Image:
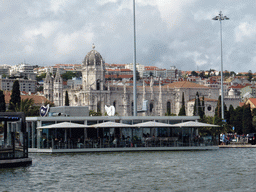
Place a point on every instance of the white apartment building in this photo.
(25, 85)
(139, 68)
(5, 69)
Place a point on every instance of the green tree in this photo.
(4, 76)
(66, 99)
(232, 114)
(217, 115)
(183, 108)
(203, 107)
(232, 73)
(250, 75)
(254, 118)
(238, 120)
(193, 73)
(40, 77)
(40, 88)
(49, 102)
(197, 107)
(247, 120)
(93, 113)
(15, 97)
(218, 108)
(69, 75)
(202, 74)
(137, 76)
(27, 106)
(2, 102)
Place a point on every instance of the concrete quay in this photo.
(123, 149)
(238, 146)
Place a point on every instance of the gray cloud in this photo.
(179, 33)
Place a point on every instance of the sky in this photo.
(177, 33)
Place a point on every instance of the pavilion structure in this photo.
(117, 133)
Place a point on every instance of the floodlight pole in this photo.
(220, 17)
(134, 66)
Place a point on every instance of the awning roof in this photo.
(153, 124)
(63, 125)
(110, 124)
(194, 124)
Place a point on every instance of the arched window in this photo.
(168, 107)
(151, 106)
(114, 104)
(98, 85)
(99, 107)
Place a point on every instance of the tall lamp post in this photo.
(134, 66)
(220, 17)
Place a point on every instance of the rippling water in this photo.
(220, 170)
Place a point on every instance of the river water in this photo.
(218, 170)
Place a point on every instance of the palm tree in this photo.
(27, 106)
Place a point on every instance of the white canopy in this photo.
(64, 125)
(194, 124)
(152, 124)
(110, 124)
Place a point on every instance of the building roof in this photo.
(38, 99)
(125, 76)
(185, 84)
(253, 101)
(148, 68)
(237, 87)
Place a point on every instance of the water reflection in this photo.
(220, 170)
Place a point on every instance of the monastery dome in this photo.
(93, 57)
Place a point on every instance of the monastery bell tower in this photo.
(93, 71)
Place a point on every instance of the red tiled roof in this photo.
(125, 76)
(241, 104)
(38, 99)
(150, 68)
(237, 87)
(185, 84)
(110, 76)
(253, 100)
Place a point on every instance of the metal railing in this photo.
(103, 143)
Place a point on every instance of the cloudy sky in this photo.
(177, 33)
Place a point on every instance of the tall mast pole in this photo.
(134, 66)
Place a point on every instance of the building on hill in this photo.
(25, 85)
(38, 99)
(139, 67)
(96, 92)
(23, 70)
(5, 69)
(173, 73)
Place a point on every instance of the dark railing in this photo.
(104, 143)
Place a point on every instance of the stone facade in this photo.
(96, 92)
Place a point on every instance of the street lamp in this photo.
(134, 65)
(220, 17)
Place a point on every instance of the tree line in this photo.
(241, 120)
